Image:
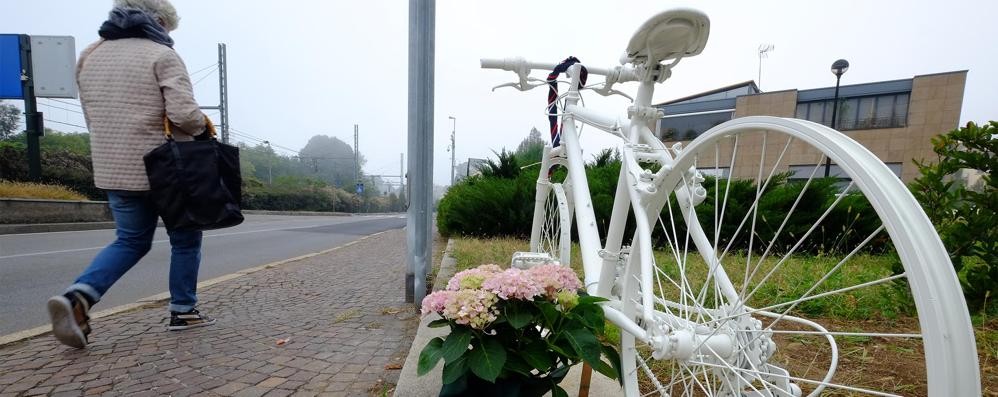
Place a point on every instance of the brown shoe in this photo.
(70, 322)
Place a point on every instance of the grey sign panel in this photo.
(53, 62)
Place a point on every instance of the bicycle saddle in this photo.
(669, 35)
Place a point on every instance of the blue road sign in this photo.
(10, 67)
(360, 188)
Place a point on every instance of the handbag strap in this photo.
(168, 133)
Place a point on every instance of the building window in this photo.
(862, 113)
(688, 127)
(804, 171)
(720, 172)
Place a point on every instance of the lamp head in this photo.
(839, 67)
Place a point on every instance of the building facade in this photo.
(895, 120)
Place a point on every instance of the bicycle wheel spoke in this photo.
(799, 243)
(783, 224)
(840, 333)
(829, 273)
(794, 378)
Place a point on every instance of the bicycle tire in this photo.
(948, 348)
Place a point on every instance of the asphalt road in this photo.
(35, 266)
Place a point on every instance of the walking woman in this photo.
(129, 80)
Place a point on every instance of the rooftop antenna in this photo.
(764, 50)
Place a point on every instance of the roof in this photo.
(750, 83)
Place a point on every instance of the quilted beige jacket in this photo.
(126, 87)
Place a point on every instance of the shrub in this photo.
(29, 190)
(502, 206)
(965, 216)
(59, 167)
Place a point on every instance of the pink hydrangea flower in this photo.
(434, 303)
(491, 268)
(512, 284)
(554, 277)
(471, 278)
(474, 308)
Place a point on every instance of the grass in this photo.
(29, 190)
(887, 364)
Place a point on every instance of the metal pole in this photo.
(34, 123)
(453, 149)
(223, 92)
(356, 153)
(420, 144)
(835, 108)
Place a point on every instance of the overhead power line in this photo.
(202, 78)
(69, 124)
(60, 107)
(202, 69)
(64, 102)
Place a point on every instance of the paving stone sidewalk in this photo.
(343, 312)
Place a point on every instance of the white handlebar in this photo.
(520, 65)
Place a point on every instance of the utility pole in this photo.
(356, 153)
(223, 92)
(401, 172)
(453, 148)
(420, 130)
(34, 123)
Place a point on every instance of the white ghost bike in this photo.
(686, 304)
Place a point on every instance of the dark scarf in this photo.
(123, 23)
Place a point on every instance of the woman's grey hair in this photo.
(159, 9)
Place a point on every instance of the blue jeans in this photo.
(135, 218)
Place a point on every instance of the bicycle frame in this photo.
(637, 190)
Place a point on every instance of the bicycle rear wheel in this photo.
(782, 282)
(553, 229)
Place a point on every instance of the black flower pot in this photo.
(470, 385)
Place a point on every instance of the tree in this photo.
(965, 216)
(331, 160)
(531, 149)
(10, 120)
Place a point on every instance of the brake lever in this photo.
(522, 85)
(608, 90)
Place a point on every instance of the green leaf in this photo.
(456, 344)
(455, 369)
(563, 348)
(550, 313)
(516, 364)
(585, 343)
(438, 323)
(429, 356)
(557, 391)
(487, 359)
(589, 299)
(605, 369)
(518, 316)
(611, 354)
(537, 355)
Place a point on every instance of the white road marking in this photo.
(167, 240)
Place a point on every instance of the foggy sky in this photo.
(301, 68)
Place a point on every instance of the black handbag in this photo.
(195, 185)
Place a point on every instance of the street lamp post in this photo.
(270, 164)
(839, 68)
(453, 149)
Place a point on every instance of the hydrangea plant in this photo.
(516, 328)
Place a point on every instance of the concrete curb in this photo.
(54, 227)
(429, 384)
(162, 297)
